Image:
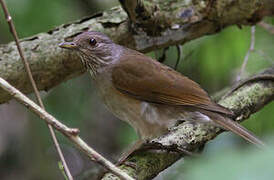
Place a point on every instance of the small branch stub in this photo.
(34, 87)
(72, 134)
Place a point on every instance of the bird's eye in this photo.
(92, 41)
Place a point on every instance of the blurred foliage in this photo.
(230, 163)
(213, 61)
(35, 16)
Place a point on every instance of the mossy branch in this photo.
(250, 97)
(173, 22)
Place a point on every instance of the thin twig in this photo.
(72, 134)
(251, 48)
(179, 49)
(241, 83)
(264, 55)
(28, 70)
(267, 27)
(162, 58)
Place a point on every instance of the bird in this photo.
(145, 93)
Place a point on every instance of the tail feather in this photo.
(238, 129)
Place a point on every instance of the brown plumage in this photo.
(157, 83)
(145, 93)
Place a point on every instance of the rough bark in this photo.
(158, 24)
(243, 101)
(151, 25)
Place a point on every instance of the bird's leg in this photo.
(171, 148)
(122, 160)
(141, 145)
(137, 144)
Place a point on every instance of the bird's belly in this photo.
(147, 120)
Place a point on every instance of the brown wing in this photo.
(157, 83)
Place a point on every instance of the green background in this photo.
(26, 150)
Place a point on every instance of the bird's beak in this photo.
(68, 45)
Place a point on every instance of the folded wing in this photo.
(157, 83)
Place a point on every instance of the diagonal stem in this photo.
(251, 49)
(72, 134)
(38, 97)
(267, 27)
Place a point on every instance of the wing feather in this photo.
(157, 83)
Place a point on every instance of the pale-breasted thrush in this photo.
(148, 95)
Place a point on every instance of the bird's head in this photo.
(95, 48)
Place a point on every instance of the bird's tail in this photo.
(230, 125)
(238, 129)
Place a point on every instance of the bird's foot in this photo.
(128, 153)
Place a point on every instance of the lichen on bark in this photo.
(244, 101)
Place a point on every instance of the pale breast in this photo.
(147, 120)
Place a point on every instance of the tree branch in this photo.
(167, 23)
(34, 87)
(72, 134)
(267, 27)
(244, 100)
